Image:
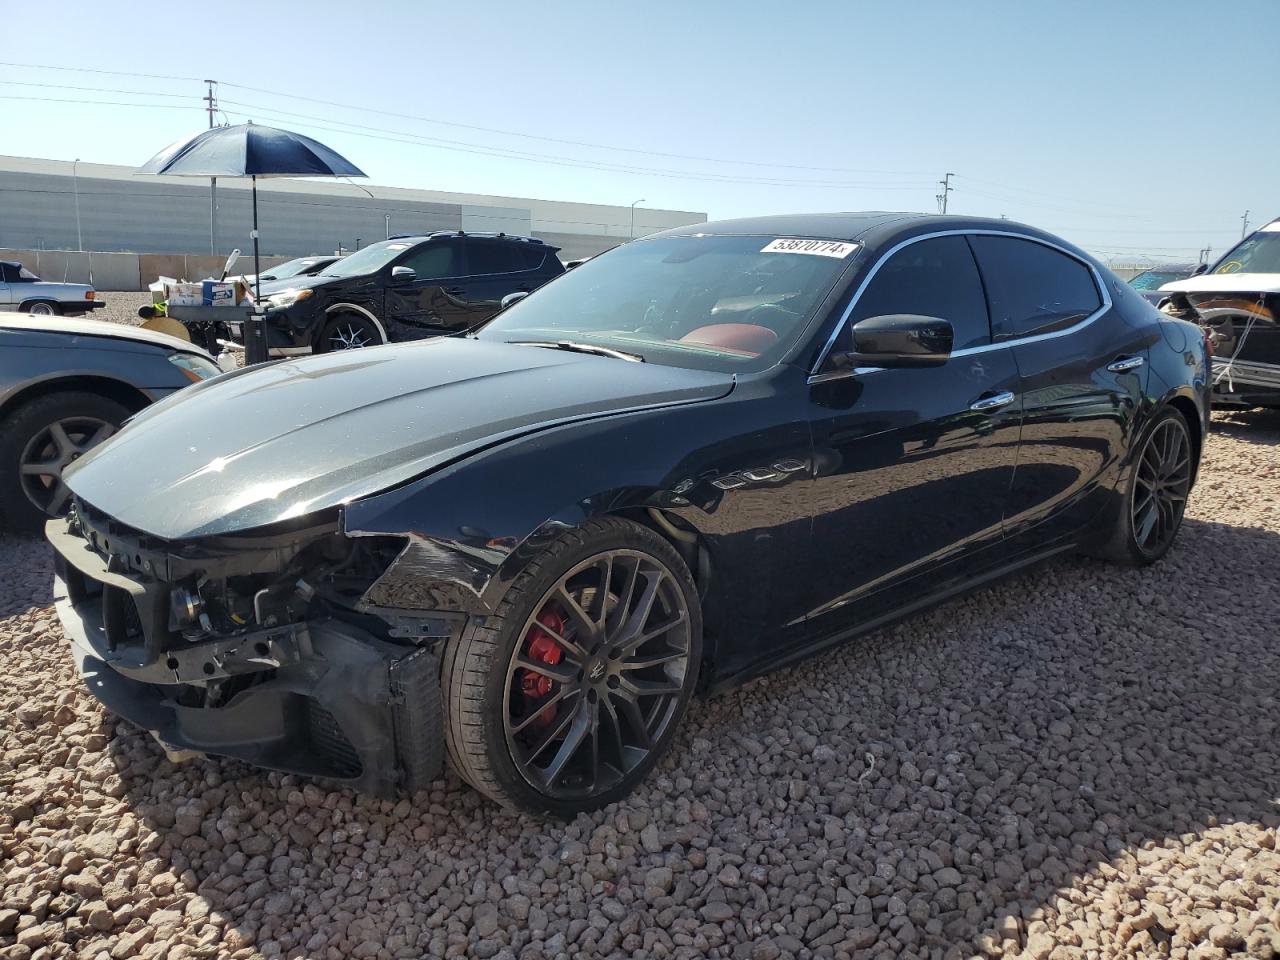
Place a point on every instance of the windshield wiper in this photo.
(577, 347)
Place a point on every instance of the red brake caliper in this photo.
(542, 648)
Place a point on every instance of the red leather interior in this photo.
(747, 338)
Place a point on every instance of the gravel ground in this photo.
(1083, 761)
(122, 307)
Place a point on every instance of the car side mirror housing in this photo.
(898, 340)
(511, 298)
(403, 275)
(1202, 268)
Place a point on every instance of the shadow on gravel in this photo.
(29, 584)
(930, 791)
(1258, 427)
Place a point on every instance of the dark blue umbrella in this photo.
(250, 150)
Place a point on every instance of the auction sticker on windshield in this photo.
(820, 248)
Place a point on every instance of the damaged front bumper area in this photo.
(248, 647)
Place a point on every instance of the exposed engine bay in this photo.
(1240, 314)
(259, 646)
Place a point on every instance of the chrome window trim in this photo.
(816, 377)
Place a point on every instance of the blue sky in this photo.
(1126, 127)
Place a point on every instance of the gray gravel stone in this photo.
(1080, 762)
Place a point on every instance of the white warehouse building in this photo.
(61, 205)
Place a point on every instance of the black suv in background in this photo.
(405, 288)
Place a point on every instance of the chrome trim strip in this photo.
(815, 377)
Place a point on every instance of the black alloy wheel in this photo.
(563, 699)
(595, 680)
(1161, 486)
(348, 331)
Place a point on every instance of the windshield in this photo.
(291, 268)
(369, 260)
(1259, 254)
(712, 303)
(1155, 279)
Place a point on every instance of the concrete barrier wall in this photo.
(124, 271)
(106, 271)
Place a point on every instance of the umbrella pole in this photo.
(255, 331)
(257, 267)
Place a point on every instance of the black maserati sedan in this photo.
(692, 459)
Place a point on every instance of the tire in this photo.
(347, 331)
(527, 740)
(42, 308)
(1145, 520)
(29, 437)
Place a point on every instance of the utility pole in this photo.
(211, 98)
(1244, 224)
(1204, 254)
(945, 184)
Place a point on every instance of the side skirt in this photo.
(1023, 562)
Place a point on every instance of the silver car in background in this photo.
(24, 292)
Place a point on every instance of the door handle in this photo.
(993, 402)
(1121, 364)
(454, 291)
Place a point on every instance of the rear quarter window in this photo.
(1033, 288)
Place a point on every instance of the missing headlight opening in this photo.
(255, 646)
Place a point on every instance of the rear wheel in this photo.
(40, 439)
(42, 309)
(348, 331)
(564, 700)
(1147, 518)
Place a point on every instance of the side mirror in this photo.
(1202, 268)
(898, 340)
(403, 275)
(511, 298)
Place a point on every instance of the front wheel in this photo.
(1147, 517)
(348, 331)
(38, 441)
(564, 699)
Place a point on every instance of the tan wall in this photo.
(124, 271)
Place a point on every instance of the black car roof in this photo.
(875, 228)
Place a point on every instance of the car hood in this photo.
(282, 440)
(1226, 283)
(298, 283)
(101, 328)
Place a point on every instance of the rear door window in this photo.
(1033, 288)
(933, 278)
(487, 257)
(436, 260)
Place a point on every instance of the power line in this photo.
(110, 73)
(100, 103)
(482, 129)
(399, 136)
(63, 86)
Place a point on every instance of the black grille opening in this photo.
(330, 742)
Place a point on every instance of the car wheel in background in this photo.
(348, 331)
(564, 699)
(1146, 520)
(43, 309)
(41, 438)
